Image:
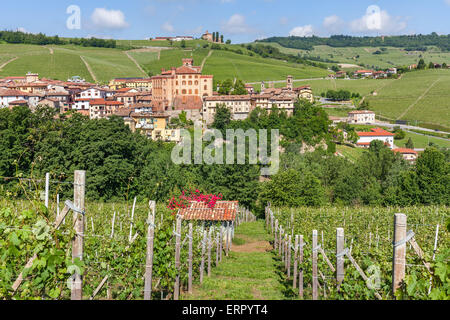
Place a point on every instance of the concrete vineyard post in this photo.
(399, 252)
(78, 222)
(177, 259)
(314, 266)
(339, 257)
(131, 222)
(150, 243)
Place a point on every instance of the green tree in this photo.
(433, 177)
(431, 65)
(421, 64)
(228, 41)
(183, 43)
(222, 118)
(410, 144)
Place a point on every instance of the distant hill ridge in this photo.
(408, 42)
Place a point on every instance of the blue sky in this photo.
(238, 20)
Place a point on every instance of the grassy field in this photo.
(422, 95)
(389, 58)
(225, 65)
(350, 153)
(65, 62)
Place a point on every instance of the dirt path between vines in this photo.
(250, 272)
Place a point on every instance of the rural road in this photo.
(282, 81)
(403, 126)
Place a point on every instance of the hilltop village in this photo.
(148, 104)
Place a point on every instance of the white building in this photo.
(240, 106)
(361, 117)
(92, 93)
(7, 96)
(365, 138)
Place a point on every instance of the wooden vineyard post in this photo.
(202, 263)
(78, 222)
(294, 283)
(300, 273)
(226, 238)
(230, 235)
(149, 259)
(289, 257)
(112, 225)
(209, 252)
(57, 205)
(217, 249)
(220, 243)
(275, 244)
(340, 272)
(190, 258)
(47, 188)
(399, 252)
(280, 232)
(314, 266)
(177, 258)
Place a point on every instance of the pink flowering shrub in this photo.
(187, 197)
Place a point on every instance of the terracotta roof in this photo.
(187, 103)
(187, 70)
(361, 112)
(405, 151)
(375, 132)
(105, 102)
(12, 93)
(124, 112)
(227, 98)
(223, 211)
(18, 102)
(364, 71)
(302, 88)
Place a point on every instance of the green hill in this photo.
(102, 64)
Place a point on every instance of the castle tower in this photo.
(290, 83)
(188, 62)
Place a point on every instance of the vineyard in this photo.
(120, 251)
(134, 250)
(347, 253)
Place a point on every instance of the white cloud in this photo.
(378, 21)
(109, 19)
(303, 31)
(168, 27)
(236, 25)
(22, 29)
(333, 24)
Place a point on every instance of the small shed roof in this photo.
(223, 211)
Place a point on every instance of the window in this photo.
(206, 88)
(196, 91)
(184, 83)
(184, 91)
(196, 83)
(190, 83)
(190, 91)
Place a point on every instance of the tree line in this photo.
(121, 164)
(42, 39)
(416, 42)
